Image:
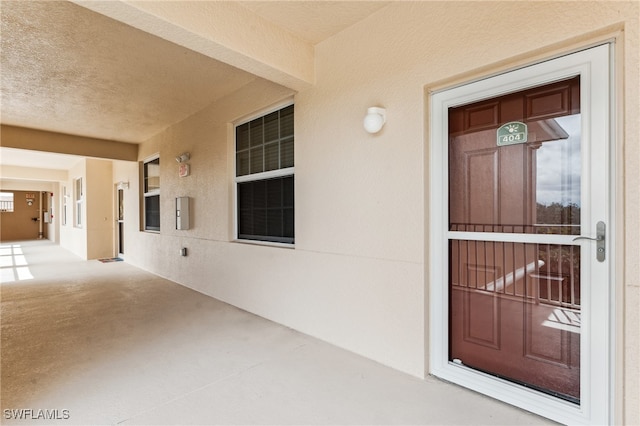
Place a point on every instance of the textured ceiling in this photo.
(67, 69)
(70, 70)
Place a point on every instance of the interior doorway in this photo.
(21, 215)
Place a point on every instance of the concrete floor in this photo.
(107, 343)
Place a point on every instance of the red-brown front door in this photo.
(515, 308)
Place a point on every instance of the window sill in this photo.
(264, 243)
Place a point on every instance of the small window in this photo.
(6, 202)
(151, 178)
(79, 200)
(265, 178)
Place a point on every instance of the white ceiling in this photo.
(37, 159)
(70, 70)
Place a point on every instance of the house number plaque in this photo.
(512, 133)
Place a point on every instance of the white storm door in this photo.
(520, 288)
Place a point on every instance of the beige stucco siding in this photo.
(357, 276)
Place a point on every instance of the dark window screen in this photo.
(152, 213)
(266, 210)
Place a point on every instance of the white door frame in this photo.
(594, 65)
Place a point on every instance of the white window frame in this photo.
(279, 173)
(152, 193)
(9, 204)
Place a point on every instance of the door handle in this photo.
(600, 240)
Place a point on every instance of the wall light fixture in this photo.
(183, 157)
(375, 119)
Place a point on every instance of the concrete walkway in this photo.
(107, 343)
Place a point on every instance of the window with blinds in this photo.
(265, 177)
(151, 183)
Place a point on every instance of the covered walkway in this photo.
(107, 343)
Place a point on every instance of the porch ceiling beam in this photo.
(40, 140)
(20, 173)
(222, 30)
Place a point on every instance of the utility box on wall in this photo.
(182, 213)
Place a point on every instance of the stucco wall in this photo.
(388, 60)
(74, 238)
(357, 275)
(99, 198)
(95, 238)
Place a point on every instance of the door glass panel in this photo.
(531, 187)
(515, 313)
(120, 204)
(558, 167)
(120, 221)
(121, 237)
(515, 306)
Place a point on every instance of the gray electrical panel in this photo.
(182, 213)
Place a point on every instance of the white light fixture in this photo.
(375, 119)
(183, 157)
